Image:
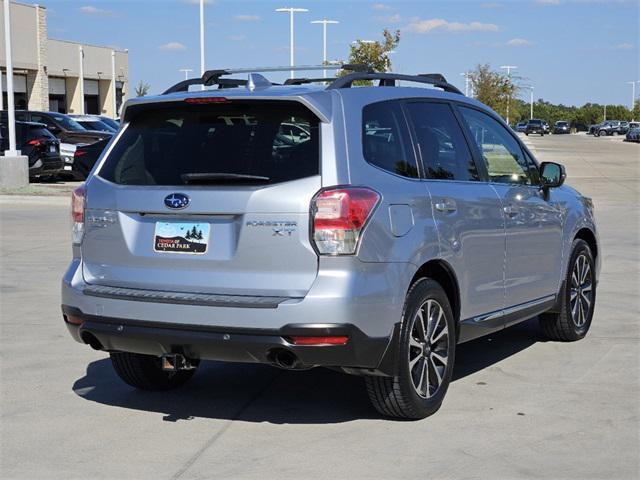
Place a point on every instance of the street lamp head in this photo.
(325, 21)
(290, 10)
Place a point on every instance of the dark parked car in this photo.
(561, 127)
(38, 144)
(85, 158)
(633, 135)
(94, 122)
(65, 128)
(534, 126)
(520, 127)
(611, 127)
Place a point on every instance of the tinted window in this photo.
(444, 151)
(384, 139)
(162, 145)
(501, 152)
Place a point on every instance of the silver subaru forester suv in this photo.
(367, 229)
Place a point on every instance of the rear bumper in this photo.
(46, 165)
(228, 344)
(363, 300)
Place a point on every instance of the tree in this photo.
(375, 54)
(493, 88)
(188, 235)
(142, 89)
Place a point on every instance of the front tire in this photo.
(145, 372)
(424, 358)
(577, 299)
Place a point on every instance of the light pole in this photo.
(202, 39)
(508, 68)
(324, 23)
(633, 94)
(10, 100)
(531, 115)
(291, 11)
(466, 76)
(186, 72)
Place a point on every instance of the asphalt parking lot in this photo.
(519, 407)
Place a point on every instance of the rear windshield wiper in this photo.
(212, 177)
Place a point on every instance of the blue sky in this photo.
(571, 51)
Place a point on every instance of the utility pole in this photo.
(186, 72)
(605, 113)
(291, 11)
(324, 23)
(508, 68)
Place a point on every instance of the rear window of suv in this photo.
(168, 145)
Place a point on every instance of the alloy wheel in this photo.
(428, 348)
(581, 292)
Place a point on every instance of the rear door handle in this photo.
(446, 205)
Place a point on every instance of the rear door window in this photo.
(172, 145)
(385, 139)
(444, 151)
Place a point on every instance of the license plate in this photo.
(52, 148)
(181, 237)
(67, 167)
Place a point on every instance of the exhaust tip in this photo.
(285, 359)
(91, 340)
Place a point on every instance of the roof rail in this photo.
(213, 77)
(389, 80)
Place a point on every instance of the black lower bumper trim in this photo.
(229, 344)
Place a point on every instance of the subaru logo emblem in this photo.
(176, 201)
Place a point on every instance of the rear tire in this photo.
(145, 372)
(424, 357)
(577, 299)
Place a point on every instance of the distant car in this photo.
(611, 127)
(115, 124)
(65, 128)
(593, 128)
(67, 150)
(94, 122)
(85, 158)
(534, 126)
(623, 128)
(38, 144)
(520, 127)
(545, 126)
(633, 135)
(561, 127)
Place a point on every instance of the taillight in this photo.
(78, 197)
(338, 216)
(34, 143)
(79, 153)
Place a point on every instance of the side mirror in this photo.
(552, 174)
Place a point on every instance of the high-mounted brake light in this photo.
(78, 197)
(338, 216)
(205, 100)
